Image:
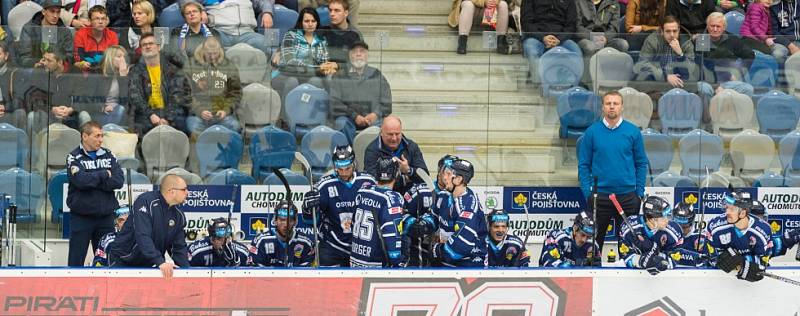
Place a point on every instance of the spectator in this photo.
(32, 46)
(185, 40)
(785, 26)
(755, 29)
(725, 46)
(392, 143)
(144, 19)
(643, 17)
(11, 112)
(598, 26)
(667, 56)
(154, 228)
(90, 42)
(236, 21)
(352, 5)
(463, 12)
(216, 89)
(76, 13)
(47, 93)
(691, 15)
(360, 95)
(612, 157)
(105, 98)
(120, 11)
(547, 24)
(159, 91)
(340, 35)
(93, 174)
(303, 55)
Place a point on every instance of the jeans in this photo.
(532, 49)
(250, 38)
(347, 126)
(113, 117)
(197, 125)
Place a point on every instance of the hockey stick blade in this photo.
(422, 174)
(780, 278)
(306, 166)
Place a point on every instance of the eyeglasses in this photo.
(147, 44)
(180, 189)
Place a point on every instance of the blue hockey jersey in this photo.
(754, 243)
(268, 250)
(202, 254)
(462, 226)
(693, 252)
(560, 250)
(100, 255)
(664, 241)
(337, 202)
(509, 252)
(377, 241)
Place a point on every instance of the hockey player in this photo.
(565, 248)
(694, 250)
(780, 242)
(462, 226)
(505, 250)
(652, 237)
(219, 249)
(334, 198)
(377, 241)
(269, 248)
(741, 240)
(417, 203)
(100, 256)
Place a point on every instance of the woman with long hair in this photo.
(144, 21)
(643, 17)
(106, 93)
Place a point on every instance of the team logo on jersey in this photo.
(465, 214)
(554, 253)
(171, 223)
(752, 241)
(510, 253)
(396, 210)
(74, 170)
(298, 250)
(623, 249)
(775, 225)
(143, 209)
(663, 240)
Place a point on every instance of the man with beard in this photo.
(219, 249)
(283, 245)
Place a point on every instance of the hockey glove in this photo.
(729, 260)
(750, 271)
(566, 263)
(644, 244)
(422, 227)
(310, 204)
(436, 253)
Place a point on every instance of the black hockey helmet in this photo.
(219, 228)
(463, 168)
(758, 209)
(343, 156)
(388, 169)
(286, 209)
(446, 161)
(655, 207)
(683, 214)
(740, 199)
(584, 223)
(497, 215)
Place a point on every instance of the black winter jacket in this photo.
(91, 188)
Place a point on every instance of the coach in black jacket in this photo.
(93, 174)
(392, 143)
(154, 227)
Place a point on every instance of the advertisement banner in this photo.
(491, 197)
(262, 199)
(121, 194)
(780, 201)
(210, 198)
(537, 225)
(544, 200)
(709, 200)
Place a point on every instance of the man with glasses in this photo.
(185, 39)
(155, 226)
(91, 42)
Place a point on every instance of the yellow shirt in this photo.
(156, 101)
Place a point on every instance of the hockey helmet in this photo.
(219, 228)
(286, 209)
(683, 214)
(343, 156)
(758, 209)
(584, 223)
(121, 211)
(462, 168)
(498, 215)
(655, 207)
(388, 169)
(739, 198)
(446, 161)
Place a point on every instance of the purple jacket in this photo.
(756, 22)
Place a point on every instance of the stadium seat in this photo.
(164, 148)
(284, 19)
(26, 190)
(324, 16)
(317, 146)
(577, 110)
(53, 146)
(700, 153)
(271, 147)
(638, 107)
(751, 154)
(15, 147)
(306, 107)
(778, 114)
(610, 70)
(136, 178)
(731, 112)
(671, 179)
(727, 69)
(55, 193)
(21, 14)
(789, 154)
(720, 180)
(360, 143)
(772, 179)
(260, 106)
(559, 69)
(680, 112)
(122, 144)
(734, 20)
(292, 177)
(230, 176)
(218, 148)
(792, 67)
(659, 151)
(171, 17)
(111, 127)
(251, 62)
(763, 72)
(190, 178)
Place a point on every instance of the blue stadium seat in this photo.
(271, 147)
(136, 178)
(292, 177)
(218, 148)
(55, 193)
(789, 154)
(772, 179)
(699, 150)
(284, 19)
(659, 151)
(671, 179)
(230, 176)
(111, 127)
(577, 110)
(324, 16)
(171, 16)
(14, 143)
(26, 190)
(778, 114)
(763, 72)
(317, 146)
(680, 112)
(306, 107)
(559, 69)
(734, 20)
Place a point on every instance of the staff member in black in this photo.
(154, 227)
(93, 174)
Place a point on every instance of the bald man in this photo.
(154, 227)
(392, 143)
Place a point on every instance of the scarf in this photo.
(185, 32)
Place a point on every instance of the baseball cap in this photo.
(51, 3)
(360, 44)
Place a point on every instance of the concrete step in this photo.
(524, 95)
(445, 58)
(426, 42)
(456, 117)
(389, 18)
(410, 7)
(451, 81)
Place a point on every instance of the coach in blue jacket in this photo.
(93, 176)
(154, 227)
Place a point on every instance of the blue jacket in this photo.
(151, 229)
(91, 189)
(784, 20)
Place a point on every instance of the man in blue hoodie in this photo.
(611, 156)
(784, 22)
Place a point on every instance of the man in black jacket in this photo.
(154, 227)
(93, 174)
(691, 14)
(547, 24)
(392, 143)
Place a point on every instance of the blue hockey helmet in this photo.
(583, 222)
(497, 215)
(286, 209)
(219, 228)
(388, 169)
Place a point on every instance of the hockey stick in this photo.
(702, 210)
(13, 225)
(780, 278)
(425, 178)
(278, 173)
(594, 221)
(613, 198)
(527, 232)
(130, 195)
(6, 230)
(307, 167)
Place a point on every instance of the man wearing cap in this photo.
(185, 39)
(360, 94)
(33, 45)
